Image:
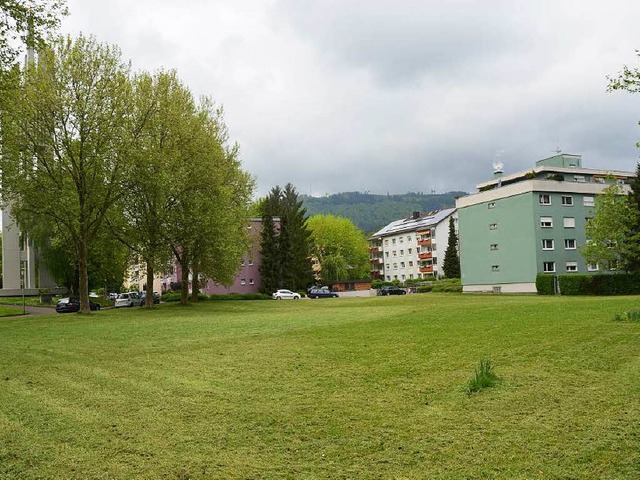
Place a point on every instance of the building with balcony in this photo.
(412, 248)
(528, 222)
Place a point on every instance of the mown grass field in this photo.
(313, 389)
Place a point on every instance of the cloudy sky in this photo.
(393, 96)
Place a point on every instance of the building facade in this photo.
(412, 248)
(519, 225)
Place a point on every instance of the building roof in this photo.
(413, 224)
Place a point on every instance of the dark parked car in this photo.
(143, 298)
(391, 291)
(321, 293)
(69, 305)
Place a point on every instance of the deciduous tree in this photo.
(339, 246)
(65, 140)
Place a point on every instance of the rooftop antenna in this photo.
(558, 150)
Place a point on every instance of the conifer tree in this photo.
(451, 265)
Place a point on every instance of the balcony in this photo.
(376, 260)
(425, 255)
(375, 249)
(424, 242)
(427, 269)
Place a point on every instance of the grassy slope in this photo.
(346, 388)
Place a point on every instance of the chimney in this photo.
(416, 215)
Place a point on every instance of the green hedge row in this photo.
(175, 296)
(597, 284)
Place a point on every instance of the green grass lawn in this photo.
(8, 311)
(314, 389)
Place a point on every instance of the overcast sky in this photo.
(393, 96)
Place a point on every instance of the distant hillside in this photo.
(371, 212)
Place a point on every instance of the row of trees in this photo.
(91, 151)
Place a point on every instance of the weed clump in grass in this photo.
(630, 316)
(483, 377)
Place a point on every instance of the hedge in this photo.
(596, 284)
(544, 284)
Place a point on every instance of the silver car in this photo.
(285, 295)
(128, 299)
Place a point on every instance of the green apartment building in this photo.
(528, 222)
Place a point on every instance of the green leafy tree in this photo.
(339, 246)
(65, 139)
(608, 231)
(451, 265)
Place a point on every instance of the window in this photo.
(547, 244)
(572, 266)
(251, 281)
(588, 201)
(395, 254)
(495, 268)
(395, 266)
(493, 226)
(401, 252)
(411, 263)
(409, 251)
(493, 246)
(251, 261)
(434, 261)
(433, 247)
(544, 199)
(401, 264)
(403, 277)
(569, 243)
(567, 200)
(592, 267)
(386, 254)
(569, 222)
(388, 278)
(579, 178)
(408, 240)
(401, 239)
(549, 267)
(491, 205)
(393, 241)
(388, 266)
(546, 222)
(386, 241)
(243, 281)
(411, 276)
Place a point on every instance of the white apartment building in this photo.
(412, 248)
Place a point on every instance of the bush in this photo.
(599, 284)
(170, 297)
(483, 377)
(448, 285)
(630, 316)
(240, 296)
(575, 284)
(544, 284)
(424, 289)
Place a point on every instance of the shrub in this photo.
(424, 288)
(448, 285)
(544, 284)
(599, 284)
(575, 284)
(240, 296)
(483, 377)
(630, 316)
(170, 297)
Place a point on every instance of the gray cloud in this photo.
(393, 96)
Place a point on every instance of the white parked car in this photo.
(285, 295)
(128, 299)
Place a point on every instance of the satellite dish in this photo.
(498, 166)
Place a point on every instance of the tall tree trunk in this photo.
(83, 256)
(184, 280)
(148, 302)
(195, 283)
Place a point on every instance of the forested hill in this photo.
(370, 212)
